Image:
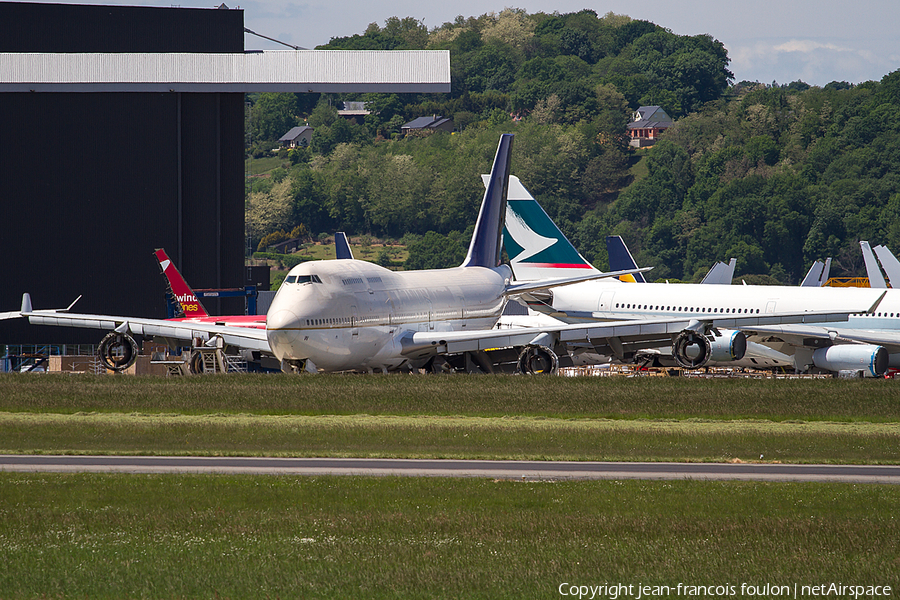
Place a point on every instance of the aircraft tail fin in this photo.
(720, 273)
(818, 274)
(536, 247)
(876, 280)
(814, 275)
(181, 296)
(620, 258)
(890, 264)
(342, 246)
(484, 249)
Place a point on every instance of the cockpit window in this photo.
(303, 279)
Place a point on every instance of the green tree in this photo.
(273, 115)
(436, 251)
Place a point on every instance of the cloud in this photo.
(812, 61)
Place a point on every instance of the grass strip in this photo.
(488, 396)
(381, 436)
(175, 536)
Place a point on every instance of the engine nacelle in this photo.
(871, 360)
(537, 360)
(117, 351)
(691, 349)
(728, 345)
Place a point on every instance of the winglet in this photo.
(874, 307)
(342, 246)
(484, 249)
(68, 308)
(26, 303)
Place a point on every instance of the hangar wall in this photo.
(92, 183)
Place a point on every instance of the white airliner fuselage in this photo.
(351, 314)
(618, 300)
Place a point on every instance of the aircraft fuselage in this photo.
(352, 315)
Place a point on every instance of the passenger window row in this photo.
(688, 309)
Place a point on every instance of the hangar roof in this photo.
(279, 71)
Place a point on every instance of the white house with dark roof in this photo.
(646, 125)
(298, 137)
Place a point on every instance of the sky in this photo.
(816, 41)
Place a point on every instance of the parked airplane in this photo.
(354, 315)
(537, 249)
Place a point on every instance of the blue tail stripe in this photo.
(484, 249)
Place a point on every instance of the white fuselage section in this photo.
(615, 300)
(352, 315)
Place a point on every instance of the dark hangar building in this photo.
(122, 131)
(94, 181)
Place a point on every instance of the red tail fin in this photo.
(179, 287)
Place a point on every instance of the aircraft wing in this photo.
(802, 335)
(243, 337)
(543, 284)
(606, 338)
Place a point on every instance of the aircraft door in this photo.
(354, 320)
(605, 303)
(770, 307)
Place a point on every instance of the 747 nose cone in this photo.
(282, 329)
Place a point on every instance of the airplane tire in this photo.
(195, 364)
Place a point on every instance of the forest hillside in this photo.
(775, 175)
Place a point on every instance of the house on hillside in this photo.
(432, 123)
(646, 125)
(354, 110)
(298, 137)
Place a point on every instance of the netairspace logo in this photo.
(614, 591)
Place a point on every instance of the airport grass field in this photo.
(164, 536)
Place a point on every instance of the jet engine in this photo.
(728, 345)
(537, 360)
(117, 351)
(691, 349)
(871, 360)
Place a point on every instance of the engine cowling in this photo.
(728, 345)
(537, 360)
(691, 349)
(117, 351)
(871, 360)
